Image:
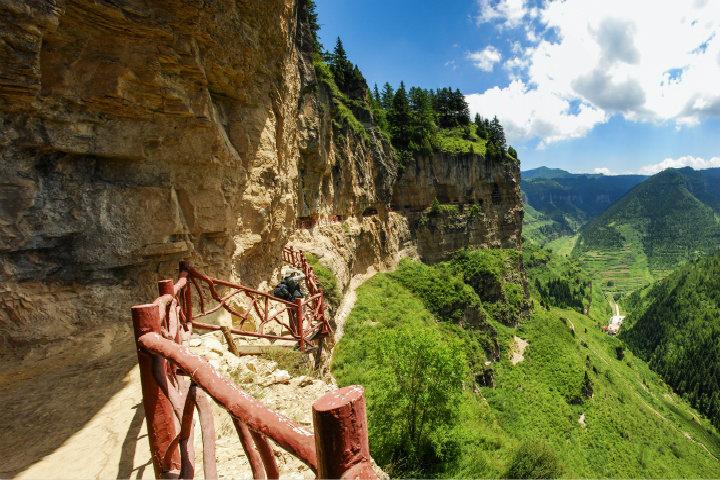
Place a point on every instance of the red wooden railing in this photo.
(264, 307)
(339, 447)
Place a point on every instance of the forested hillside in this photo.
(674, 324)
(418, 121)
(561, 202)
(660, 224)
(452, 398)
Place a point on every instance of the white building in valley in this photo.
(615, 322)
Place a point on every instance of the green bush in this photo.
(443, 293)
(443, 210)
(475, 210)
(418, 379)
(534, 459)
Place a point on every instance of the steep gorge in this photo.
(135, 135)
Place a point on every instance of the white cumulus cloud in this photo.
(687, 161)
(528, 113)
(585, 60)
(509, 13)
(486, 58)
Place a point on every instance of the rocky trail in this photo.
(76, 421)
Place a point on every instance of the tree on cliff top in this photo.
(314, 25)
(347, 76)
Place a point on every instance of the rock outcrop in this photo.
(487, 194)
(136, 134)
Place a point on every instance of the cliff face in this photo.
(136, 134)
(488, 189)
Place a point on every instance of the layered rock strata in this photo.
(486, 193)
(137, 134)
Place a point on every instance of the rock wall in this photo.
(137, 134)
(475, 185)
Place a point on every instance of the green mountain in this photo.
(545, 172)
(675, 325)
(453, 391)
(660, 224)
(558, 203)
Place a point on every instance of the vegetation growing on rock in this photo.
(674, 325)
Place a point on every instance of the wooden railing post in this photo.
(159, 413)
(299, 322)
(341, 436)
(167, 287)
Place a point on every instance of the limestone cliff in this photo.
(136, 134)
(488, 189)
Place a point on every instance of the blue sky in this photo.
(612, 86)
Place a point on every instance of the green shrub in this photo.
(443, 293)
(418, 379)
(443, 210)
(534, 459)
(475, 210)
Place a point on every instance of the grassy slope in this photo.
(675, 324)
(461, 140)
(563, 245)
(624, 437)
(651, 231)
(539, 226)
(635, 425)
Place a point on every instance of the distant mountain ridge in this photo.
(558, 202)
(663, 222)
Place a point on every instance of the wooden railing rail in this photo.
(339, 446)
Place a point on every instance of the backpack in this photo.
(281, 291)
(293, 287)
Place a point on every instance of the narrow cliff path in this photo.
(76, 421)
(348, 302)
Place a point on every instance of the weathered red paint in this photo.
(290, 436)
(251, 453)
(266, 454)
(341, 437)
(158, 410)
(207, 427)
(162, 331)
(260, 303)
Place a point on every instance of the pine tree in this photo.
(386, 98)
(400, 119)
(339, 66)
(313, 23)
(462, 108)
(497, 134)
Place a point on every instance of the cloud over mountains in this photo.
(572, 64)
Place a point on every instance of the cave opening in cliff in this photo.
(496, 197)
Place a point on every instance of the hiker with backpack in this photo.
(289, 289)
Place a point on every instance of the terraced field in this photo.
(621, 271)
